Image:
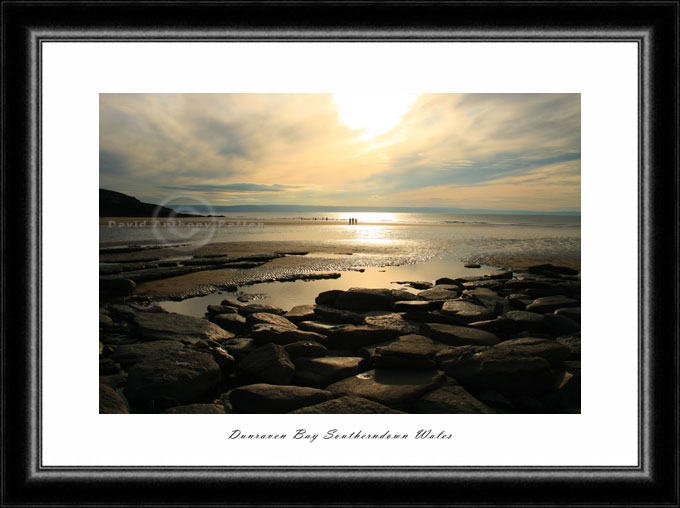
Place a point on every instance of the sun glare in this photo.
(373, 113)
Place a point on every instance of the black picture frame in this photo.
(653, 25)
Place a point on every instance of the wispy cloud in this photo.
(455, 150)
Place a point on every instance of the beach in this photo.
(296, 315)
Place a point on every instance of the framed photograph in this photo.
(342, 254)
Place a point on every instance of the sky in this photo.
(476, 151)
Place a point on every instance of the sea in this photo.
(420, 246)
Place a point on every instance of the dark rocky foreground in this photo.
(500, 343)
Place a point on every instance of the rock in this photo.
(115, 381)
(321, 327)
(506, 371)
(472, 265)
(269, 363)
(440, 292)
(117, 285)
(551, 303)
(328, 297)
(283, 335)
(460, 335)
(337, 315)
(232, 322)
(306, 349)
(320, 372)
(300, 313)
(122, 311)
(495, 399)
(105, 321)
(447, 281)
(466, 311)
(220, 309)
(354, 337)
(391, 321)
(196, 409)
(450, 400)
(550, 350)
(552, 269)
(527, 404)
(561, 325)
(348, 404)
(522, 283)
(239, 347)
(223, 359)
(365, 299)
(420, 284)
(492, 284)
(487, 298)
(519, 300)
(567, 392)
(252, 308)
(503, 274)
(394, 388)
(178, 327)
(411, 306)
(417, 346)
(257, 318)
(401, 295)
(128, 355)
(573, 342)
(183, 375)
(528, 321)
(573, 313)
(498, 325)
(265, 398)
(110, 402)
(231, 302)
(108, 366)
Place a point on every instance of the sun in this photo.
(373, 113)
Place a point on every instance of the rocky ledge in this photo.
(497, 343)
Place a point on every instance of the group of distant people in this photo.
(352, 220)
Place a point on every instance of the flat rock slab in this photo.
(550, 350)
(300, 313)
(283, 335)
(110, 402)
(257, 318)
(467, 312)
(183, 375)
(394, 388)
(391, 321)
(353, 337)
(266, 399)
(551, 304)
(196, 409)
(573, 342)
(220, 309)
(158, 326)
(440, 292)
(504, 370)
(334, 315)
(411, 306)
(321, 327)
(365, 299)
(561, 325)
(573, 313)
(251, 308)
(409, 352)
(328, 297)
(320, 372)
(348, 404)
(528, 321)
(129, 354)
(230, 321)
(269, 363)
(239, 347)
(401, 295)
(460, 335)
(450, 400)
(305, 349)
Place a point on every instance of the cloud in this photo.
(294, 149)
